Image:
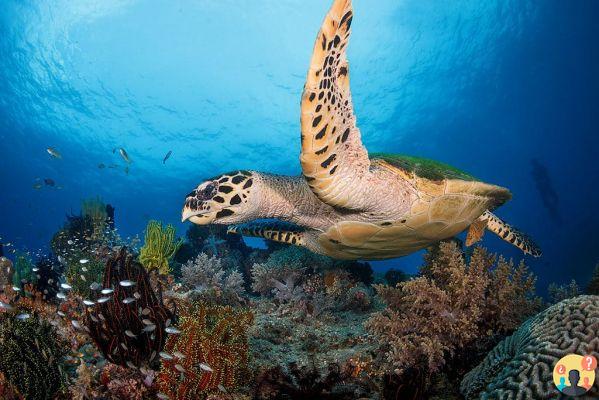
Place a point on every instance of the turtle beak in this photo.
(187, 213)
(198, 217)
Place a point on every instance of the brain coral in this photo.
(521, 366)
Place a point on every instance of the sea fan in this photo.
(129, 328)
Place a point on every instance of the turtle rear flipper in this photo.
(505, 231)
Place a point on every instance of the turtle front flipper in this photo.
(505, 231)
(332, 151)
(272, 230)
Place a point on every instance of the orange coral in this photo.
(451, 305)
(214, 343)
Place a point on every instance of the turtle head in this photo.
(225, 199)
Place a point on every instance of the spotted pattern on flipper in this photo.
(511, 235)
(332, 149)
(276, 231)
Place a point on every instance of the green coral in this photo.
(23, 270)
(81, 276)
(31, 357)
(95, 209)
(422, 167)
(159, 247)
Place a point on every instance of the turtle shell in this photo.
(448, 201)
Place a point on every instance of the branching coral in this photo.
(452, 304)
(558, 293)
(159, 247)
(30, 355)
(214, 343)
(593, 285)
(129, 328)
(521, 366)
(211, 282)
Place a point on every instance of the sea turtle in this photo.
(348, 204)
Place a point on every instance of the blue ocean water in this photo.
(486, 86)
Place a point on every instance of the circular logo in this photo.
(574, 375)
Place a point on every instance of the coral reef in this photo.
(126, 384)
(593, 285)
(82, 276)
(31, 355)
(96, 211)
(521, 366)
(209, 281)
(6, 272)
(453, 304)
(395, 276)
(557, 293)
(129, 327)
(159, 247)
(48, 272)
(210, 353)
(22, 270)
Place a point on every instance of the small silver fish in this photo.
(76, 324)
(205, 367)
(70, 241)
(126, 283)
(84, 261)
(165, 355)
(66, 286)
(221, 388)
(23, 316)
(130, 334)
(34, 269)
(147, 322)
(179, 368)
(162, 396)
(83, 269)
(96, 320)
(172, 330)
(128, 300)
(124, 155)
(146, 311)
(131, 365)
(61, 295)
(16, 288)
(103, 299)
(167, 156)
(179, 355)
(107, 291)
(52, 151)
(137, 295)
(149, 328)
(83, 278)
(60, 313)
(88, 302)
(95, 286)
(6, 306)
